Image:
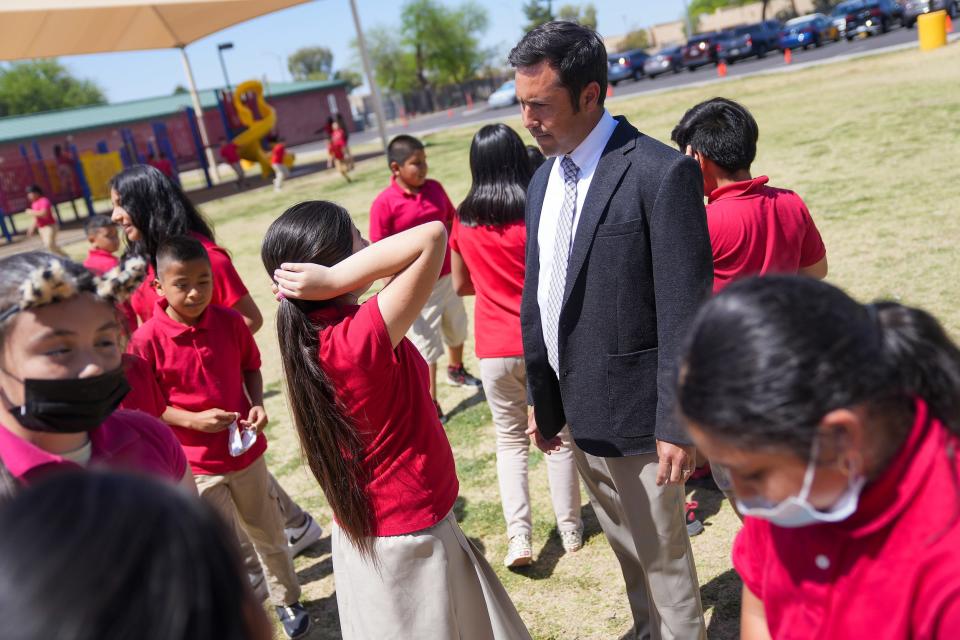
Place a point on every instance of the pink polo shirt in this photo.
(889, 572)
(201, 367)
(100, 261)
(126, 441)
(395, 210)
(43, 204)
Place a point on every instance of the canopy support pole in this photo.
(198, 110)
(374, 90)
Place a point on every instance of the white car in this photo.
(505, 96)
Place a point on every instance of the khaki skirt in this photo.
(429, 585)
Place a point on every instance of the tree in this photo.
(351, 77)
(537, 12)
(792, 11)
(311, 63)
(585, 15)
(392, 63)
(177, 90)
(44, 85)
(636, 39)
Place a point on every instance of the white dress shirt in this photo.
(586, 156)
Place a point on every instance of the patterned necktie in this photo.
(561, 255)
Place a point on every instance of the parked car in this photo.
(702, 49)
(870, 17)
(812, 30)
(668, 59)
(912, 9)
(628, 64)
(749, 40)
(504, 96)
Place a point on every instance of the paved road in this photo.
(482, 113)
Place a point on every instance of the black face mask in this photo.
(71, 405)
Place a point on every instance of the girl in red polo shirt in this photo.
(367, 424)
(61, 376)
(838, 424)
(488, 242)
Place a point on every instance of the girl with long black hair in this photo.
(488, 243)
(361, 404)
(838, 424)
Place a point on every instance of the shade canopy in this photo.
(47, 28)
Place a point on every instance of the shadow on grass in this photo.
(466, 403)
(552, 550)
(709, 503)
(318, 570)
(326, 618)
(722, 594)
(459, 513)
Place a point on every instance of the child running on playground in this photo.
(43, 223)
(369, 430)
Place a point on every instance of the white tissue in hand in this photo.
(241, 439)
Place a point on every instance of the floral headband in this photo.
(52, 283)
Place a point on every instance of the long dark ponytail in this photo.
(769, 357)
(501, 171)
(322, 233)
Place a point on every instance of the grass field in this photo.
(870, 145)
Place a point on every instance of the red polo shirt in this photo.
(413, 481)
(228, 288)
(890, 572)
(126, 441)
(145, 394)
(43, 204)
(199, 368)
(276, 155)
(495, 258)
(756, 229)
(395, 210)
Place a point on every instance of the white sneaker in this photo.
(519, 552)
(572, 540)
(301, 538)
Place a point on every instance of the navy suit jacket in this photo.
(639, 268)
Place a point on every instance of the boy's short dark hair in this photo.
(401, 148)
(576, 53)
(35, 188)
(721, 130)
(94, 223)
(180, 249)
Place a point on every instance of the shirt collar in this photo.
(96, 251)
(171, 327)
(587, 154)
(397, 188)
(736, 189)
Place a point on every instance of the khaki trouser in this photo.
(644, 525)
(291, 513)
(443, 320)
(250, 497)
(431, 585)
(280, 173)
(48, 237)
(505, 385)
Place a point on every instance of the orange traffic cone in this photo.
(949, 24)
(787, 56)
(449, 113)
(609, 90)
(722, 69)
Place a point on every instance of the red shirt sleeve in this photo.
(380, 220)
(362, 341)
(750, 554)
(812, 250)
(145, 394)
(228, 287)
(450, 211)
(162, 439)
(455, 235)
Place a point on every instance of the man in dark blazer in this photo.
(618, 261)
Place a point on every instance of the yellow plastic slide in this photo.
(249, 141)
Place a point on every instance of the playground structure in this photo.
(249, 120)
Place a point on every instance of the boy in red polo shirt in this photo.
(208, 368)
(755, 229)
(409, 201)
(104, 240)
(280, 172)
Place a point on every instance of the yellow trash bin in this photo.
(932, 30)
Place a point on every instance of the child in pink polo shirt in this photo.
(369, 431)
(43, 224)
(411, 200)
(208, 367)
(61, 378)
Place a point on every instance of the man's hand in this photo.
(213, 420)
(676, 463)
(256, 420)
(547, 446)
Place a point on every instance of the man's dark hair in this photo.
(722, 130)
(574, 51)
(180, 249)
(94, 223)
(401, 148)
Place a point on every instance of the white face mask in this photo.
(796, 511)
(241, 439)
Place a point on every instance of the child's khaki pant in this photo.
(48, 237)
(249, 496)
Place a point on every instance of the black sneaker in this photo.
(295, 620)
(459, 377)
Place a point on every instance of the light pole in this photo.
(686, 16)
(223, 65)
(279, 60)
(368, 70)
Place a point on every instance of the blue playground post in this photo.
(3, 226)
(163, 144)
(82, 177)
(102, 147)
(198, 144)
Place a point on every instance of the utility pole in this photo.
(368, 70)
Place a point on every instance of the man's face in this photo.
(548, 112)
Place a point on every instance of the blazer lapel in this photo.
(613, 164)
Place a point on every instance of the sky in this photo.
(261, 46)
